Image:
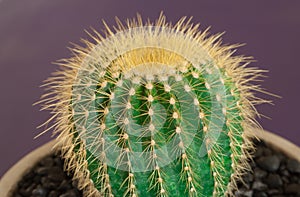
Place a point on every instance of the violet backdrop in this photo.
(34, 33)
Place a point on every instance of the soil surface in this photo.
(273, 174)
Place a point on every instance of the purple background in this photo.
(34, 33)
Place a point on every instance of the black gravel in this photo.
(273, 174)
(47, 179)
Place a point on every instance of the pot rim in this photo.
(279, 143)
(14, 174)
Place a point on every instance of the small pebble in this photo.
(273, 181)
(259, 173)
(260, 194)
(270, 163)
(47, 162)
(273, 192)
(259, 186)
(70, 193)
(243, 193)
(293, 166)
(293, 188)
(285, 172)
(40, 192)
(248, 178)
(53, 193)
(266, 151)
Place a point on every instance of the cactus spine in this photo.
(154, 110)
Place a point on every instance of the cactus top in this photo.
(154, 109)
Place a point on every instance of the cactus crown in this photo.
(154, 110)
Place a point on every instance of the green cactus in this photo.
(154, 110)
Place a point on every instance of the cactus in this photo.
(154, 109)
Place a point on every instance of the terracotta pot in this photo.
(15, 173)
